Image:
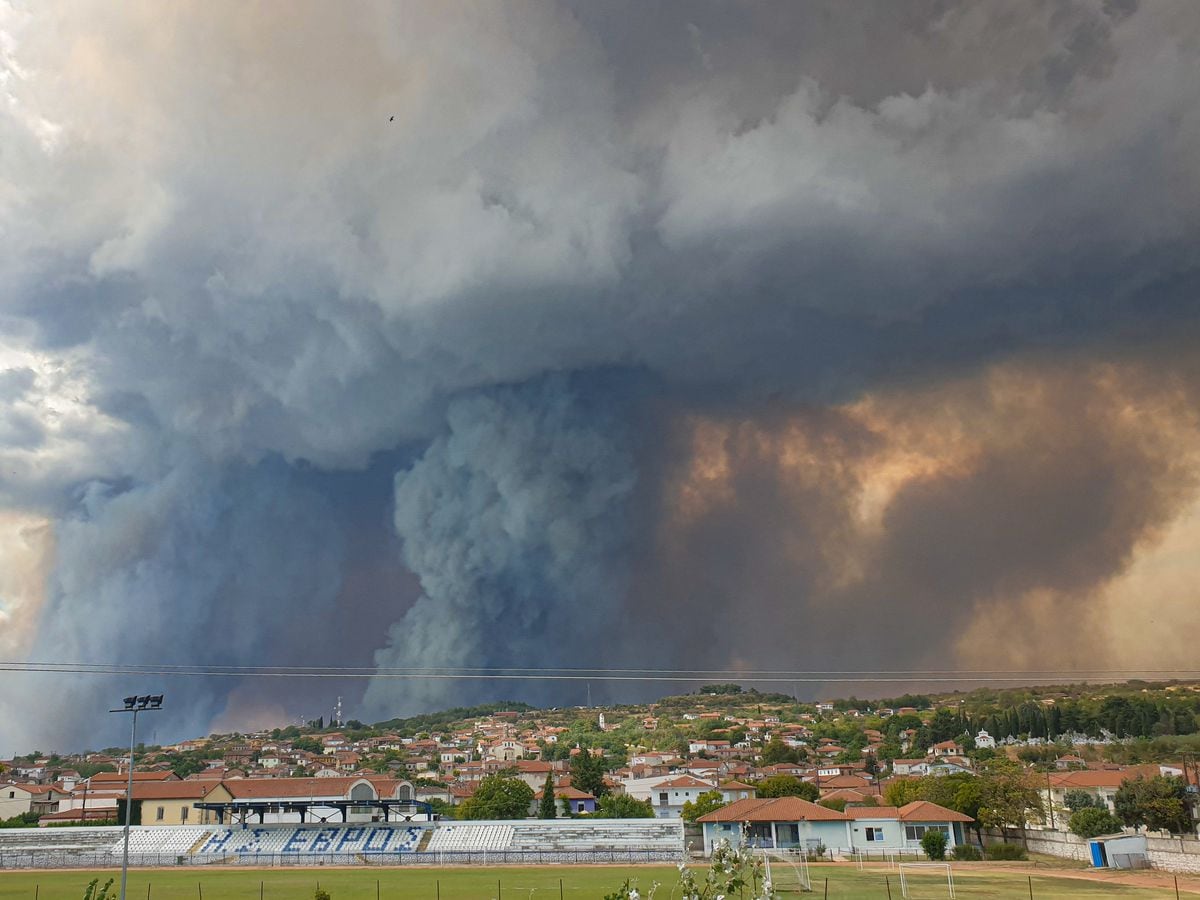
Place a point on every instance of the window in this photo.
(874, 834)
(916, 832)
(662, 798)
(158, 817)
(183, 813)
(12, 794)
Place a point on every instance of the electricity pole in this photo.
(135, 705)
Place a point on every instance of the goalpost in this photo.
(910, 867)
(797, 864)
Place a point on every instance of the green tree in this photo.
(1158, 803)
(498, 797)
(968, 798)
(622, 806)
(934, 844)
(1077, 800)
(1093, 821)
(902, 792)
(1010, 796)
(443, 809)
(787, 786)
(587, 773)
(546, 809)
(776, 751)
(709, 801)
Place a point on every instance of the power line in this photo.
(489, 673)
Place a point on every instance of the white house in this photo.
(506, 750)
(790, 823)
(985, 741)
(732, 791)
(15, 799)
(668, 793)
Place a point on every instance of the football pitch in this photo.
(545, 883)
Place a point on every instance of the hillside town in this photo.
(686, 757)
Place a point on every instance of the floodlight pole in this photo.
(133, 705)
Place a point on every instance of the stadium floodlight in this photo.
(135, 705)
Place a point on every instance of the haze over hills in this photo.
(1129, 721)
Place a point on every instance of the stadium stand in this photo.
(569, 835)
(311, 839)
(470, 838)
(429, 843)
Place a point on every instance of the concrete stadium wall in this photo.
(1170, 854)
(1052, 843)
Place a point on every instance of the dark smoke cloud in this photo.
(517, 524)
(1036, 478)
(236, 299)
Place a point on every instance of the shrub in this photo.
(965, 852)
(1005, 852)
(934, 845)
(1091, 822)
(321, 895)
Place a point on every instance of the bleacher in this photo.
(448, 838)
(158, 841)
(576, 835)
(311, 840)
(57, 840)
(430, 843)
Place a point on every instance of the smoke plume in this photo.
(694, 334)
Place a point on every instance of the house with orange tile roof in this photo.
(794, 823)
(667, 795)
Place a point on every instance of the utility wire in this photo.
(601, 674)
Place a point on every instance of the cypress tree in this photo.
(547, 809)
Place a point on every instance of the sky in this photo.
(734, 336)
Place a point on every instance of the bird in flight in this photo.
(391, 118)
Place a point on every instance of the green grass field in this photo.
(845, 883)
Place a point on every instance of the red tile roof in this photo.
(872, 812)
(924, 811)
(773, 809)
(123, 777)
(173, 790)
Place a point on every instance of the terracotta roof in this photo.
(684, 781)
(173, 790)
(872, 812)
(258, 788)
(531, 765)
(1090, 778)
(924, 811)
(773, 809)
(844, 781)
(569, 792)
(123, 778)
(737, 786)
(848, 794)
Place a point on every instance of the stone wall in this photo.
(1174, 854)
(1170, 854)
(1052, 843)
